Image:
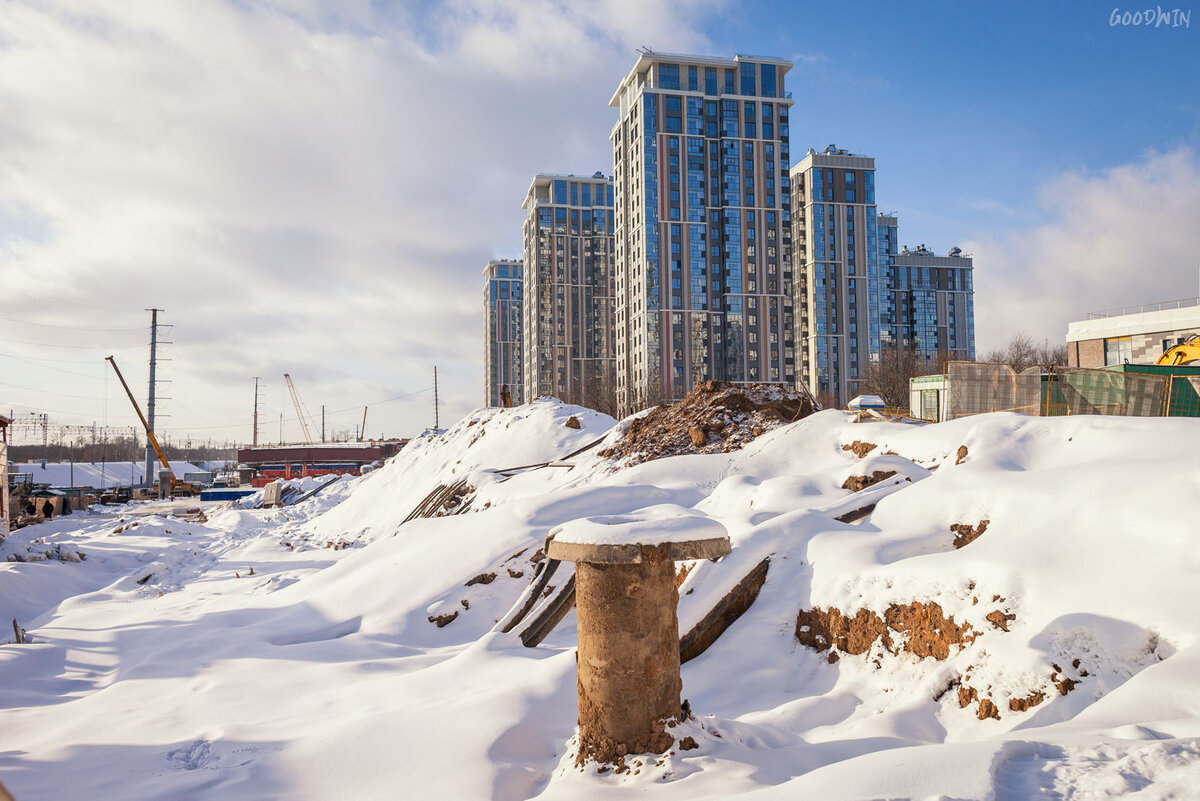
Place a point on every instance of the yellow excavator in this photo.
(178, 487)
(1186, 352)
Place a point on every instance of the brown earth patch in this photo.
(988, 709)
(727, 415)
(965, 534)
(1064, 684)
(573, 422)
(515, 573)
(442, 620)
(688, 744)
(1026, 703)
(684, 569)
(961, 454)
(858, 483)
(1000, 619)
(482, 578)
(930, 632)
(860, 448)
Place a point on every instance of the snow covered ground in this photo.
(293, 653)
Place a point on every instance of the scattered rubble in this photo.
(715, 417)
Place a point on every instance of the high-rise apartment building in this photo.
(838, 283)
(502, 314)
(569, 339)
(703, 235)
(931, 305)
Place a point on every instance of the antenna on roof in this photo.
(645, 50)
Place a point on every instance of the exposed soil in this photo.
(861, 449)
(573, 422)
(965, 534)
(715, 417)
(1000, 619)
(442, 620)
(687, 744)
(930, 632)
(482, 578)
(1026, 703)
(962, 454)
(857, 483)
(1064, 684)
(515, 573)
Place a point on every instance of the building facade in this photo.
(838, 285)
(703, 236)
(930, 305)
(503, 299)
(1132, 335)
(570, 347)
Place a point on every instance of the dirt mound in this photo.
(715, 417)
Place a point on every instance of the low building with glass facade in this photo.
(503, 322)
(569, 349)
(703, 236)
(1131, 335)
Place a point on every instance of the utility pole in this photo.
(150, 401)
(254, 442)
(45, 438)
(435, 400)
(322, 424)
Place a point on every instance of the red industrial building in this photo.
(297, 461)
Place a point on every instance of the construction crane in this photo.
(1185, 352)
(176, 484)
(299, 408)
(363, 430)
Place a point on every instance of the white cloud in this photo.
(304, 187)
(1125, 236)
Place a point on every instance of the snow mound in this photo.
(882, 642)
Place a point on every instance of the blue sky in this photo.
(314, 187)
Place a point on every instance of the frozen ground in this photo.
(290, 653)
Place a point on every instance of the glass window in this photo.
(560, 192)
(710, 80)
(668, 76)
(768, 80)
(748, 77)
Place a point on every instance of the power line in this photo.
(68, 327)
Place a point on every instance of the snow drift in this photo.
(1008, 607)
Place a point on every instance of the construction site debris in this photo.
(715, 417)
(859, 483)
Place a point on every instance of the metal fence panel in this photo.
(1113, 393)
(980, 388)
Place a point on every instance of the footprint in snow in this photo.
(191, 757)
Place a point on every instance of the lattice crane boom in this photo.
(299, 408)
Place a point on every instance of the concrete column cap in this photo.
(632, 554)
(666, 531)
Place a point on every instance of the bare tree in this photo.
(889, 376)
(1022, 352)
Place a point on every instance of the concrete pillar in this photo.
(628, 659)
